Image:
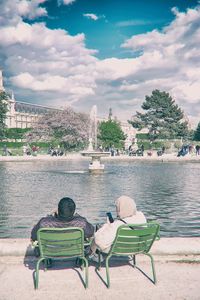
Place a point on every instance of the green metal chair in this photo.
(60, 244)
(131, 240)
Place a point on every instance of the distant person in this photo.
(142, 149)
(24, 149)
(197, 149)
(50, 150)
(130, 150)
(65, 217)
(5, 150)
(184, 150)
(34, 150)
(126, 214)
(112, 151)
(117, 152)
(190, 148)
(163, 149)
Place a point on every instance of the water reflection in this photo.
(167, 192)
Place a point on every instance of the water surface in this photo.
(166, 192)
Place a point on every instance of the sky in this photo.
(109, 53)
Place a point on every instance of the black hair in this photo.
(66, 207)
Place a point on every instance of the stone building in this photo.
(22, 114)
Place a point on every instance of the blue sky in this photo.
(117, 21)
(103, 52)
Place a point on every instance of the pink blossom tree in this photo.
(65, 127)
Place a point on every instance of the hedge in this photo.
(16, 133)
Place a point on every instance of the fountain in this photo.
(95, 166)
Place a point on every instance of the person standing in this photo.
(197, 149)
(5, 150)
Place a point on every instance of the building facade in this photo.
(22, 114)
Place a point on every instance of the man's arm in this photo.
(88, 230)
(34, 231)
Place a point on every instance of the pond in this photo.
(165, 191)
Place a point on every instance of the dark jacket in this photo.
(57, 222)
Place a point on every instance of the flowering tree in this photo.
(66, 127)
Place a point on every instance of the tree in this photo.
(66, 127)
(111, 134)
(3, 110)
(197, 133)
(163, 119)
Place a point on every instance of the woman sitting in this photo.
(126, 213)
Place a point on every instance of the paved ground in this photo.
(177, 262)
(176, 280)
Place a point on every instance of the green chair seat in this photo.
(131, 240)
(60, 244)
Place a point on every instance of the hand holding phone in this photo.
(110, 218)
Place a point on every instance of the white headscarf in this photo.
(125, 207)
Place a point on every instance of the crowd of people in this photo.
(103, 238)
(28, 150)
(133, 150)
(189, 149)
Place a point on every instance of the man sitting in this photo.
(65, 217)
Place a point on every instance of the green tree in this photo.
(163, 118)
(111, 134)
(3, 110)
(197, 133)
(66, 127)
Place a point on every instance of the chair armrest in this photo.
(158, 234)
(88, 241)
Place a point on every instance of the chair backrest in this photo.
(61, 242)
(133, 239)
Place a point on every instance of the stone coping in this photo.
(162, 247)
(77, 156)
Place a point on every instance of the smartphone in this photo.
(110, 218)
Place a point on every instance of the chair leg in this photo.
(152, 267)
(99, 260)
(37, 272)
(80, 263)
(86, 271)
(107, 271)
(134, 260)
(47, 263)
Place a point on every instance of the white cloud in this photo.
(128, 23)
(65, 2)
(91, 16)
(40, 59)
(170, 60)
(31, 9)
(52, 67)
(44, 82)
(12, 11)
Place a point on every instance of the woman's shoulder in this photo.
(139, 217)
(139, 213)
